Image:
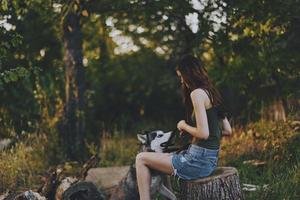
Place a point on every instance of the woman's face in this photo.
(181, 78)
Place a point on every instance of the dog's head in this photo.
(157, 140)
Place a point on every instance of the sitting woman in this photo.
(204, 106)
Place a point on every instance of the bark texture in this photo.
(72, 128)
(82, 190)
(222, 184)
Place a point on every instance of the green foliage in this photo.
(244, 56)
(13, 75)
(259, 51)
(274, 143)
(4, 4)
(30, 56)
(253, 58)
(131, 89)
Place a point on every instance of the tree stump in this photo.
(223, 183)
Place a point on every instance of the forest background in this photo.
(80, 77)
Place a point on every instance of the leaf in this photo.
(4, 5)
(22, 71)
(13, 76)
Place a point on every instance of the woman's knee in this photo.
(140, 158)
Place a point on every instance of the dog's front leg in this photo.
(167, 182)
(166, 192)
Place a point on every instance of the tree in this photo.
(72, 128)
(259, 51)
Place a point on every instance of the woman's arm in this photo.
(226, 128)
(201, 130)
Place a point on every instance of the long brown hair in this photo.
(195, 76)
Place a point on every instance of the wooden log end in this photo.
(84, 191)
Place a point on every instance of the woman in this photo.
(203, 103)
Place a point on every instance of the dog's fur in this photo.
(155, 141)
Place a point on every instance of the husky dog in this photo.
(158, 141)
(154, 141)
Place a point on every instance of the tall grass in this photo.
(275, 143)
(117, 149)
(22, 166)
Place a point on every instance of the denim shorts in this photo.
(194, 162)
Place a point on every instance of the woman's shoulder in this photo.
(198, 91)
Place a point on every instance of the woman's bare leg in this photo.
(143, 180)
(153, 160)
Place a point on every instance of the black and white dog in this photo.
(154, 141)
(161, 142)
(157, 141)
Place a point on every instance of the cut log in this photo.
(8, 196)
(72, 188)
(52, 181)
(59, 187)
(64, 185)
(92, 162)
(28, 195)
(107, 177)
(222, 184)
(82, 191)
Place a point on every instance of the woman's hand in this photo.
(226, 128)
(181, 125)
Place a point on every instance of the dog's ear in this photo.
(145, 132)
(142, 138)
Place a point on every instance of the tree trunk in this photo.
(72, 129)
(274, 112)
(222, 184)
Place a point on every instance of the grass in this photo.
(22, 165)
(275, 143)
(117, 149)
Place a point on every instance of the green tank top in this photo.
(214, 138)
